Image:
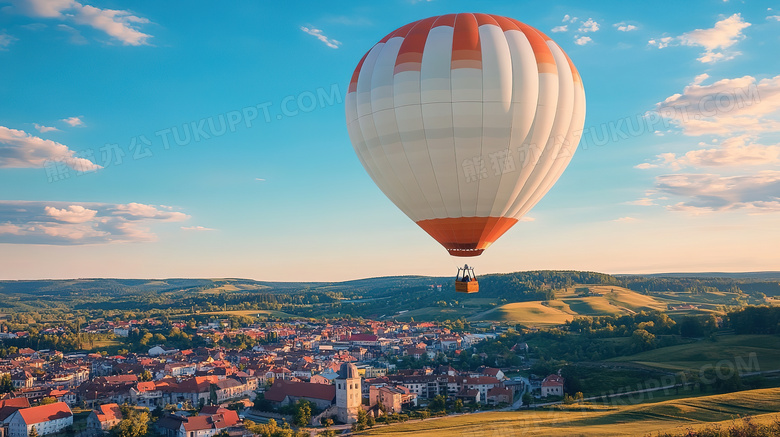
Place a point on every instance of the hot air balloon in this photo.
(465, 121)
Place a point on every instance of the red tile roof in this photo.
(45, 413)
(109, 412)
(10, 406)
(552, 381)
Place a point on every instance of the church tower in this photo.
(349, 397)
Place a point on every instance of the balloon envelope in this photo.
(465, 121)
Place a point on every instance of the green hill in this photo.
(596, 420)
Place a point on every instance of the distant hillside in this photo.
(516, 296)
(761, 276)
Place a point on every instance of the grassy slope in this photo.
(607, 300)
(632, 420)
(695, 355)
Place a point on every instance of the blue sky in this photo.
(148, 139)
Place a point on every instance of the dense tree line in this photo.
(755, 320)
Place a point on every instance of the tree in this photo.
(146, 375)
(213, 394)
(133, 423)
(6, 384)
(362, 421)
(48, 400)
(33, 432)
(458, 406)
(438, 403)
(370, 421)
(641, 340)
(302, 415)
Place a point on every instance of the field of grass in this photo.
(249, 313)
(529, 313)
(732, 348)
(602, 300)
(600, 420)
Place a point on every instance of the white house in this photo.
(552, 385)
(47, 419)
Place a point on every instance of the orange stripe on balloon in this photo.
(467, 236)
(483, 19)
(411, 50)
(353, 82)
(445, 20)
(465, 43)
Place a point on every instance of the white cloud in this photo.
(196, 228)
(527, 219)
(644, 201)
(623, 27)
(726, 107)
(68, 223)
(71, 214)
(626, 220)
(737, 151)
(562, 28)
(317, 33)
(6, 40)
(773, 17)
(569, 19)
(74, 36)
(661, 43)
(714, 40)
(645, 166)
(43, 129)
(582, 40)
(74, 121)
(21, 150)
(260, 179)
(589, 26)
(757, 193)
(138, 211)
(119, 24)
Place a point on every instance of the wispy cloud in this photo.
(77, 223)
(561, 28)
(727, 107)
(590, 25)
(644, 201)
(21, 150)
(582, 40)
(715, 40)
(6, 40)
(74, 121)
(317, 33)
(626, 220)
(197, 228)
(43, 129)
(739, 151)
(623, 27)
(121, 25)
(773, 17)
(757, 193)
(74, 36)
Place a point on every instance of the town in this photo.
(342, 374)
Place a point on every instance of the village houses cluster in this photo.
(341, 367)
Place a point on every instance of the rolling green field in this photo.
(569, 303)
(597, 420)
(731, 348)
(250, 313)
